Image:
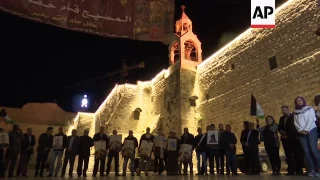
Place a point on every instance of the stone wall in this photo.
(225, 92)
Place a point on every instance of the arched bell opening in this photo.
(191, 51)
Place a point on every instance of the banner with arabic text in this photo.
(148, 20)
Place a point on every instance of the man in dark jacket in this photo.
(200, 143)
(243, 140)
(26, 151)
(86, 142)
(71, 152)
(57, 152)
(113, 153)
(145, 160)
(213, 153)
(100, 157)
(291, 144)
(2, 150)
(252, 147)
(132, 155)
(187, 138)
(15, 139)
(44, 146)
(227, 143)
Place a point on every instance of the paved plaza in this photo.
(155, 177)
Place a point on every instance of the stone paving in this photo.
(156, 177)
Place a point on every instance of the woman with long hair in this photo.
(271, 143)
(304, 121)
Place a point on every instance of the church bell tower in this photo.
(185, 47)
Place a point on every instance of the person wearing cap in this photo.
(44, 145)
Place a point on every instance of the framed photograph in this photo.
(115, 142)
(185, 153)
(57, 142)
(172, 145)
(145, 148)
(128, 148)
(4, 140)
(213, 137)
(100, 145)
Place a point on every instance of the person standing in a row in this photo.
(221, 154)
(150, 138)
(44, 145)
(213, 153)
(100, 157)
(172, 155)
(2, 150)
(15, 139)
(290, 142)
(26, 151)
(252, 148)
(159, 152)
(56, 153)
(113, 154)
(187, 138)
(227, 144)
(271, 143)
(86, 142)
(132, 156)
(243, 140)
(70, 153)
(200, 144)
(304, 121)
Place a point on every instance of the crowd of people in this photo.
(296, 130)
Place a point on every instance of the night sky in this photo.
(38, 61)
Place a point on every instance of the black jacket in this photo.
(74, 146)
(227, 138)
(243, 137)
(253, 139)
(27, 142)
(200, 146)
(86, 142)
(289, 127)
(187, 139)
(45, 141)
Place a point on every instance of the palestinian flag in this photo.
(4, 114)
(255, 109)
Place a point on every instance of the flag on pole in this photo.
(255, 109)
(4, 114)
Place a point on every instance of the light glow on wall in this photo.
(236, 41)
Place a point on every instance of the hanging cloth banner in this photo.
(147, 20)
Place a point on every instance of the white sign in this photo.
(100, 145)
(115, 142)
(213, 137)
(172, 145)
(4, 140)
(263, 14)
(145, 149)
(57, 142)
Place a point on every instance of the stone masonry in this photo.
(192, 93)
